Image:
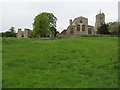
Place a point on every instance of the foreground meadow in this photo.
(85, 62)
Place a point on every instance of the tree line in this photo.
(111, 28)
(10, 33)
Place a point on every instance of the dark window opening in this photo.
(22, 35)
(83, 27)
(89, 31)
(71, 31)
(48, 36)
(78, 27)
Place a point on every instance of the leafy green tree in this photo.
(52, 23)
(10, 33)
(103, 29)
(41, 25)
(119, 29)
(52, 19)
(12, 29)
(44, 24)
(53, 31)
(113, 27)
(7, 34)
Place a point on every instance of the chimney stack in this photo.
(70, 22)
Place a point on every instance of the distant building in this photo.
(100, 19)
(27, 33)
(79, 26)
(64, 33)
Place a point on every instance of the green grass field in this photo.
(84, 62)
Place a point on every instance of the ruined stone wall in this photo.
(19, 33)
(27, 33)
(91, 30)
(71, 31)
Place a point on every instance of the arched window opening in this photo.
(78, 27)
(72, 31)
(89, 31)
(83, 27)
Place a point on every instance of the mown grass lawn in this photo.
(84, 62)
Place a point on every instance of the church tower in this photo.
(100, 19)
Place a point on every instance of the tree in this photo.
(103, 29)
(53, 31)
(10, 33)
(7, 34)
(52, 23)
(41, 25)
(44, 24)
(119, 29)
(12, 29)
(113, 27)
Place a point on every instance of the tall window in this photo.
(89, 31)
(83, 27)
(72, 31)
(78, 27)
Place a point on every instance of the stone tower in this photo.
(100, 19)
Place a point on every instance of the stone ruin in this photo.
(27, 33)
(79, 26)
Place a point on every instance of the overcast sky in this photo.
(21, 13)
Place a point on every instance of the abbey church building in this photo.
(79, 26)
